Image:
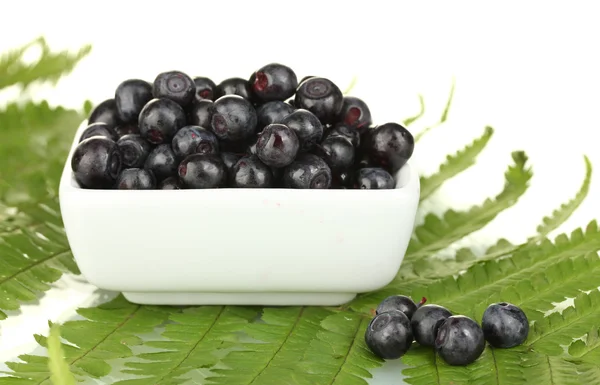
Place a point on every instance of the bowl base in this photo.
(265, 299)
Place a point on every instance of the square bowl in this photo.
(239, 246)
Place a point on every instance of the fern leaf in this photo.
(588, 348)
(444, 115)
(455, 164)
(59, 369)
(547, 370)
(411, 119)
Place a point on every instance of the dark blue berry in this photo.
(345, 131)
(272, 112)
(459, 340)
(250, 172)
(127, 129)
(234, 86)
(390, 146)
(176, 86)
(321, 97)
(136, 179)
(234, 118)
(273, 82)
(160, 119)
(201, 171)
(389, 335)
(277, 145)
(105, 112)
(355, 113)
(194, 140)
(399, 302)
(205, 88)
(374, 178)
(308, 171)
(162, 162)
(505, 325)
(230, 159)
(337, 151)
(99, 129)
(96, 163)
(131, 96)
(425, 322)
(171, 183)
(343, 179)
(134, 150)
(307, 126)
(200, 113)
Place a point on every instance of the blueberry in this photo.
(459, 340)
(234, 118)
(194, 140)
(273, 82)
(160, 119)
(105, 112)
(205, 88)
(176, 86)
(99, 129)
(136, 179)
(96, 163)
(389, 335)
(355, 113)
(131, 96)
(127, 129)
(250, 172)
(306, 125)
(374, 178)
(345, 131)
(272, 112)
(234, 86)
(171, 183)
(504, 325)
(399, 302)
(162, 162)
(308, 171)
(277, 145)
(390, 146)
(200, 113)
(321, 97)
(230, 159)
(200, 171)
(337, 151)
(425, 322)
(134, 150)
(343, 179)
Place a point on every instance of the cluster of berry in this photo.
(458, 339)
(268, 131)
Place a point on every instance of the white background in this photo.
(529, 69)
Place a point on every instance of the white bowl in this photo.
(239, 246)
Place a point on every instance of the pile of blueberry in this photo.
(457, 339)
(267, 131)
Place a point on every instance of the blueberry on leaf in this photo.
(389, 335)
(425, 322)
(505, 325)
(459, 340)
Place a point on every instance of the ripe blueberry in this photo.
(390, 146)
(176, 86)
(134, 150)
(355, 113)
(272, 112)
(399, 302)
(234, 118)
(99, 129)
(162, 162)
(136, 179)
(130, 97)
(201, 171)
(425, 322)
(127, 129)
(345, 131)
(337, 151)
(194, 140)
(205, 88)
(160, 119)
(321, 97)
(504, 325)
(234, 86)
(389, 335)
(374, 178)
(250, 172)
(105, 112)
(171, 183)
(273, 82)
(277, 145)
(307, 126)
(230, 159)
(308, 171)
(459, 340)
(200, 113)
(96, 163)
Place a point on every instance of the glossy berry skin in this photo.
(201, 171)
(127, 129)
(374, 178)
(134, 150)
(250, 172)
(504, 325)
(273, 82)
(308, 171)
(459, 340)
(176, 86)
(200, 113)
(194, 140)
(136, 179)
(171, 183)
(337, 151)
(272, 112)
(345, 131)
(277, 145)
(425, 322)
(230, 159)
(307, 126)
(389, 335)
(99, 129)
(390, 146)
(397, 302)
(205, 88)
(321, 97)
(234, 118)
(162, 162)
(160, 119)
(130, 97)
(234, 86)
(355, 113)
(105, 112)
(96, 163)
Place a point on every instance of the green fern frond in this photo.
(444, 115)
(59, 369)
(587, 348)
(455, 164)
(411, 119)
(547, 370)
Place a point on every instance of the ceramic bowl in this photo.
(239, 246)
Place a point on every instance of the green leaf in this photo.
(549, 370)
(444, 115)
(59, 369)
(351, 85)
(411, 119)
